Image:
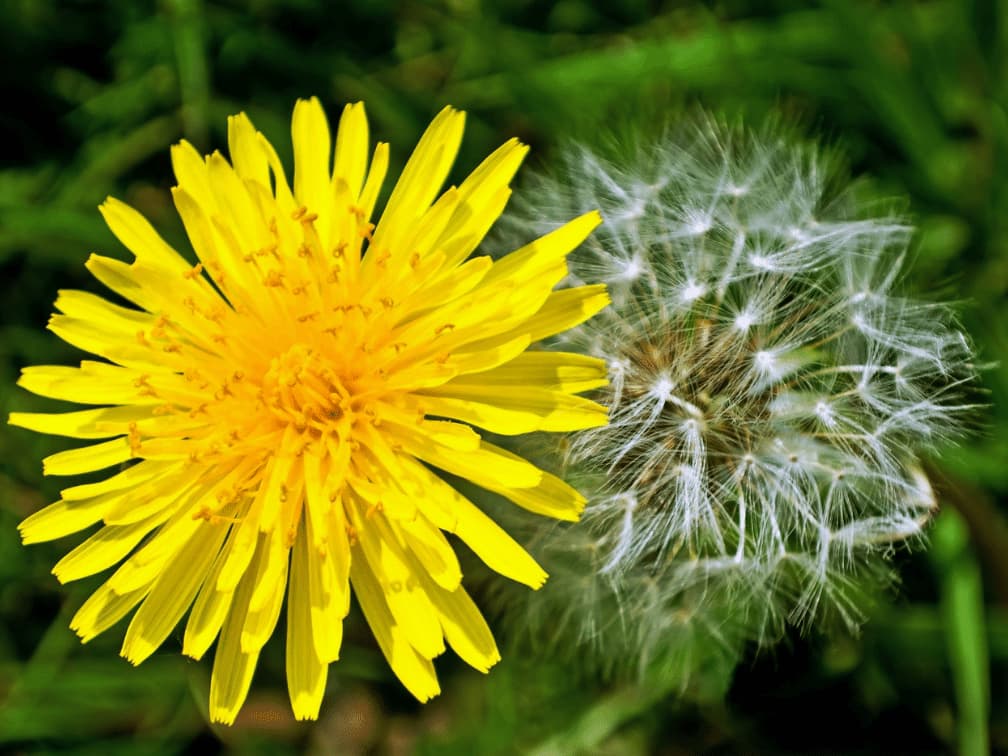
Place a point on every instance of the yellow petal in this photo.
(191, 174)
(469, 235)
(525, 263)
(414, 671)
(478, 356)
(511, 410)
(87, 306)
(275, 481)
(172, 593)
(431, 225)
(64, 517)
(341, 555)
(563, 309)
(209, 249)
(420, 180)
(482, 197)
(306, 674)
(405, 597)
(312, 159)
(139, 237)
(350, 162)
(328, 564)
(281, 189)
(246, 152)
(94, 423)
(139, 503)
(487, 466)
(91, 383)
(465, 629)
(122, 279)
(557, 371)
(389, 497)
(103, 609)
(454, 513)
(242, 543)
(447, 287)
(239, 212)
(210, 609)
(452, 435)
(143, 472)
(551, 496)
(376, 176)
(432, 551)
(270, 582)
(106, 547)
(233, 667)
(149, 560)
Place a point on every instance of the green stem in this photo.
(965, 630)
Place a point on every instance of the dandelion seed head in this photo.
(775, 388)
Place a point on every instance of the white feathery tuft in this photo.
(770, 389)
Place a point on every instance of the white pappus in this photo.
(771, 389)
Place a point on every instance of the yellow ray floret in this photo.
(272, 411)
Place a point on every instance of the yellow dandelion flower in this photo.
(274, 411)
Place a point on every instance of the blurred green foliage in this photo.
(914, 92)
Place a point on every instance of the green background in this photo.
(914, 93)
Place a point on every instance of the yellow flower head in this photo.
(272, 409)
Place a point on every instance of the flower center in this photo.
(301, 388)
(692, 391)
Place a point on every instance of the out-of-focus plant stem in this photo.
(988, 529)
(193, 71)
(961, 592)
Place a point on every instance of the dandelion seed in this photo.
(744, 321)
(632, 269)
(271, 409)
(692, 291)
